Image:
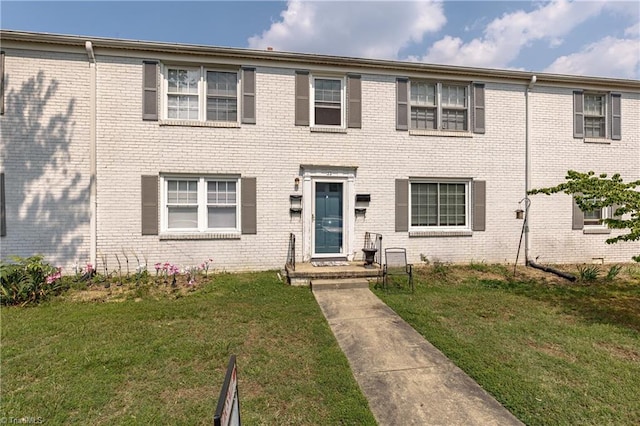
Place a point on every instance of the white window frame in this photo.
(202, 204)
(202, 92)
(467, 213)
(603, 116)
(343, 99)
(439, 106)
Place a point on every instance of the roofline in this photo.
(396, 67)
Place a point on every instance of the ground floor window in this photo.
(204, 203)
(435, 205)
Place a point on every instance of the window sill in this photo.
(201, 236)
(188, 123)
(603, 141)
(321, 129)
(596, 231)
(442, 133)
(465, 233)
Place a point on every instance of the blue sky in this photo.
(599, 38)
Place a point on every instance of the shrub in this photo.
(613, 272)
(28, 280)
(588, 272)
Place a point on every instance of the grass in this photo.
(160, 359)
(552, 352)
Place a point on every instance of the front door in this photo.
(328, 233)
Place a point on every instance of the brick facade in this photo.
(46, 144)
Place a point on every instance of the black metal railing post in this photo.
(291, 252)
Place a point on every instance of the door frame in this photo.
(315, 173)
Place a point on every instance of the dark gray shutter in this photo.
(578, 115)
(479, 193)
(3, 214)
(249, 95)
(149, 196)
(616, 116)
(302, 98)
(402, 205)
(150, 91)
(354, 95)
(1, 83)
(577, 219)
(402, 104)
(478, 108)
(248, 205)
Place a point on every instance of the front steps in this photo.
(305, 274)
(336, 284)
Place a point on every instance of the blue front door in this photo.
(328, 218)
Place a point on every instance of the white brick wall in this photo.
(273, 151)
(45, 157)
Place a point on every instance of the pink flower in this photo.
(158, 266)
(89, 268)
(54, 277)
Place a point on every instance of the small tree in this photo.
(593, 192)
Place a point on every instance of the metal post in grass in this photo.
(228, 409)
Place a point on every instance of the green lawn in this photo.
(552, 352)
(158, 359)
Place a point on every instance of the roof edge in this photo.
(397, 67)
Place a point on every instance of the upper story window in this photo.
(328, 103)
(597, 115)
(439, 106)
(198, 95)
(201, 94)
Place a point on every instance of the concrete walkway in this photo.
(406, 379)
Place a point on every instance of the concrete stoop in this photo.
(339, 283)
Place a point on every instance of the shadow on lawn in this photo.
(613, 303)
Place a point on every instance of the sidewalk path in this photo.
(406, 380)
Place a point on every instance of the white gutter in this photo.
(93, 206)
(527, 168)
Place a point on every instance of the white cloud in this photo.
(504, 37)
(609, 57)
(364, 29)
(633, 31)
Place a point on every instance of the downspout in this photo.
(93, 206)
(527, 167)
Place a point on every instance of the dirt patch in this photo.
(620, 352)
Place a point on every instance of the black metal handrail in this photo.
(374, 241)
(291, 252)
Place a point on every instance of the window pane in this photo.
(222, 109)
(221, 192)
(454, 96)
(453, 119)
(594, 127)
(594, 104)
(327, 90)
(222, 83)
(222, 217)
(183, 217)
(182, 107)
(329, 116)
(423, 93)
(423, 118)
(182, 192)
(452, 204)
(183, 81)
(424, 208)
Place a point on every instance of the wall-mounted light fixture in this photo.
(296, 182)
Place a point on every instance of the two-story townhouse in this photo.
(182, 153)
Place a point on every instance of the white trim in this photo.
(202, 205)
(202, 97)
(345, 175)
(312, 100)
